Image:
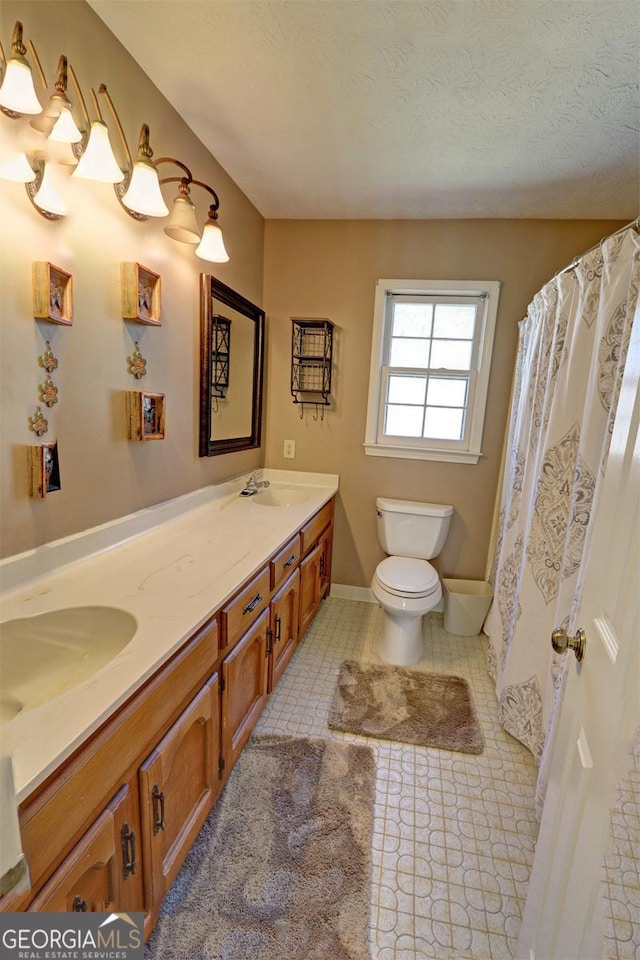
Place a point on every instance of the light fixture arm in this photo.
(81, 100)
(36, 60)
(187, 180)
(116, 119)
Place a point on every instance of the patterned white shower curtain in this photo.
(572, 349)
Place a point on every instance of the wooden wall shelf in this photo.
(145, 415)
(52, 293)
(44, 468)
(141, 290)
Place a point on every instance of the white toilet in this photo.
(405, 584)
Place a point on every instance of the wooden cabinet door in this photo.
(325, 543)
(309, 587)
(178, 786)
(101, 873)
(244, 689)
(284, 627)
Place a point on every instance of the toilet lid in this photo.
(407, 575)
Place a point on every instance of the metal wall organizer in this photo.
(311, 359)
(220, 353)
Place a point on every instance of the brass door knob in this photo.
(561, 642)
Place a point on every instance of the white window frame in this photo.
(468, 450)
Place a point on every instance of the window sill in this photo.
(415, 453)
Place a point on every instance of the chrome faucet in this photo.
(253, 485)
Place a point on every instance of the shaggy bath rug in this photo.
(433, 710)
(281, 869)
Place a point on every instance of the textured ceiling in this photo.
(404, 109)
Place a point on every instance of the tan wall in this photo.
(103, 474)
(329, 269)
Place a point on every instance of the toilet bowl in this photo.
(405, 584)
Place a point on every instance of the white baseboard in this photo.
(342, 591)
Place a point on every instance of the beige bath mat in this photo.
(281, 869)
(429, 709)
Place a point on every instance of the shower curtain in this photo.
(571, 354)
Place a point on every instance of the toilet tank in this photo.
(410, 528)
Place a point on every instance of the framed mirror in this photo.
(231, 369)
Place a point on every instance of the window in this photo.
(430, 361)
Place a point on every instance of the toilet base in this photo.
(401, 642)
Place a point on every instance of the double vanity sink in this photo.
(114, 603)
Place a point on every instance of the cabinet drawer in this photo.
(285, 561)
(312, 530)
(245, 608)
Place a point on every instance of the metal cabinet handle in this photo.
(157, 797)
(278, 627)
(129, 861)
(252, 603)
(561, 642)
(290, 561)
(79, 904)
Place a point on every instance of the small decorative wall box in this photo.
(145, 415)
(44, 468)
(140, 294)
(52, 293)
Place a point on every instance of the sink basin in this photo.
(45, 655)
(281, 496)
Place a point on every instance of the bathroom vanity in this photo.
(115, 776)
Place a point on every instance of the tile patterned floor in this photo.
(453, 833)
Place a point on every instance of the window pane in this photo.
(448, 392)
(455, 320)
(443, 424)
(409, 353)
(403, 421)
(451, 354)
(412, 319)
(407, 390)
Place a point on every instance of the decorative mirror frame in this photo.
(212, 290)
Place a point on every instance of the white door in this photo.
(599, 715)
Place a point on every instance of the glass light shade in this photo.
(65, 129)
(212, 245)
(17, 92)
(143, 194)
(47, 197)
(17, 168)
(182, 223)
(98, 162)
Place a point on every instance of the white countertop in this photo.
(171, 567)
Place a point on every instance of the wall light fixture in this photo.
(56, 120)
(182, 225)
(17, 92)
(97, 161)
(84, 143)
